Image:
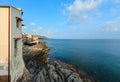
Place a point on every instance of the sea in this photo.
(99, 58)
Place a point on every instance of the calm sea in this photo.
(98, 58)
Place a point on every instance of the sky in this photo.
(70, 19)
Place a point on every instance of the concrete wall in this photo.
(17, 64)
(3, 41)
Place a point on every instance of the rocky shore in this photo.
(42, 70)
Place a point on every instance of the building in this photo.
(35, 38)
(29, 36)
(11, 61)
(26, 38)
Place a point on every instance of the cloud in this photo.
(24, 27)
(33, 24)
(111, 26)
(108, 29)
(80, 9)
(43, 31)
(37, 30)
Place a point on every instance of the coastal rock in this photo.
(49, 73)
(74, 78)
(42, 70)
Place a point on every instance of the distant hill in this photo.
(43, 37)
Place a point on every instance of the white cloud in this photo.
(80, 9)
(33, 24)
(24, 27)
(37, 30)
(43, 31)
(40, 28)
(111, 26)
(110, 29)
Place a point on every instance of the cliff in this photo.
(42, 70)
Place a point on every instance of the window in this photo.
(15, 44)
(15, 47)
(18, 21)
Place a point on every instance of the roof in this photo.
(4, 5)
(8, 6)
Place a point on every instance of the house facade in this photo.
(11, 60)
(35, 38)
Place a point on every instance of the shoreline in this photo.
(84, 76)
(58, 69)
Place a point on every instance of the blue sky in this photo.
(70, 19)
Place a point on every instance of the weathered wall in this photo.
(17, 64)
(3, 41)
(18, 71)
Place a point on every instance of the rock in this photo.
(40, 77)
(56, 64)
(41, 70)
(74, 78)
(50, 73)
(65, 72)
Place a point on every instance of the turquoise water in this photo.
(98, 58)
